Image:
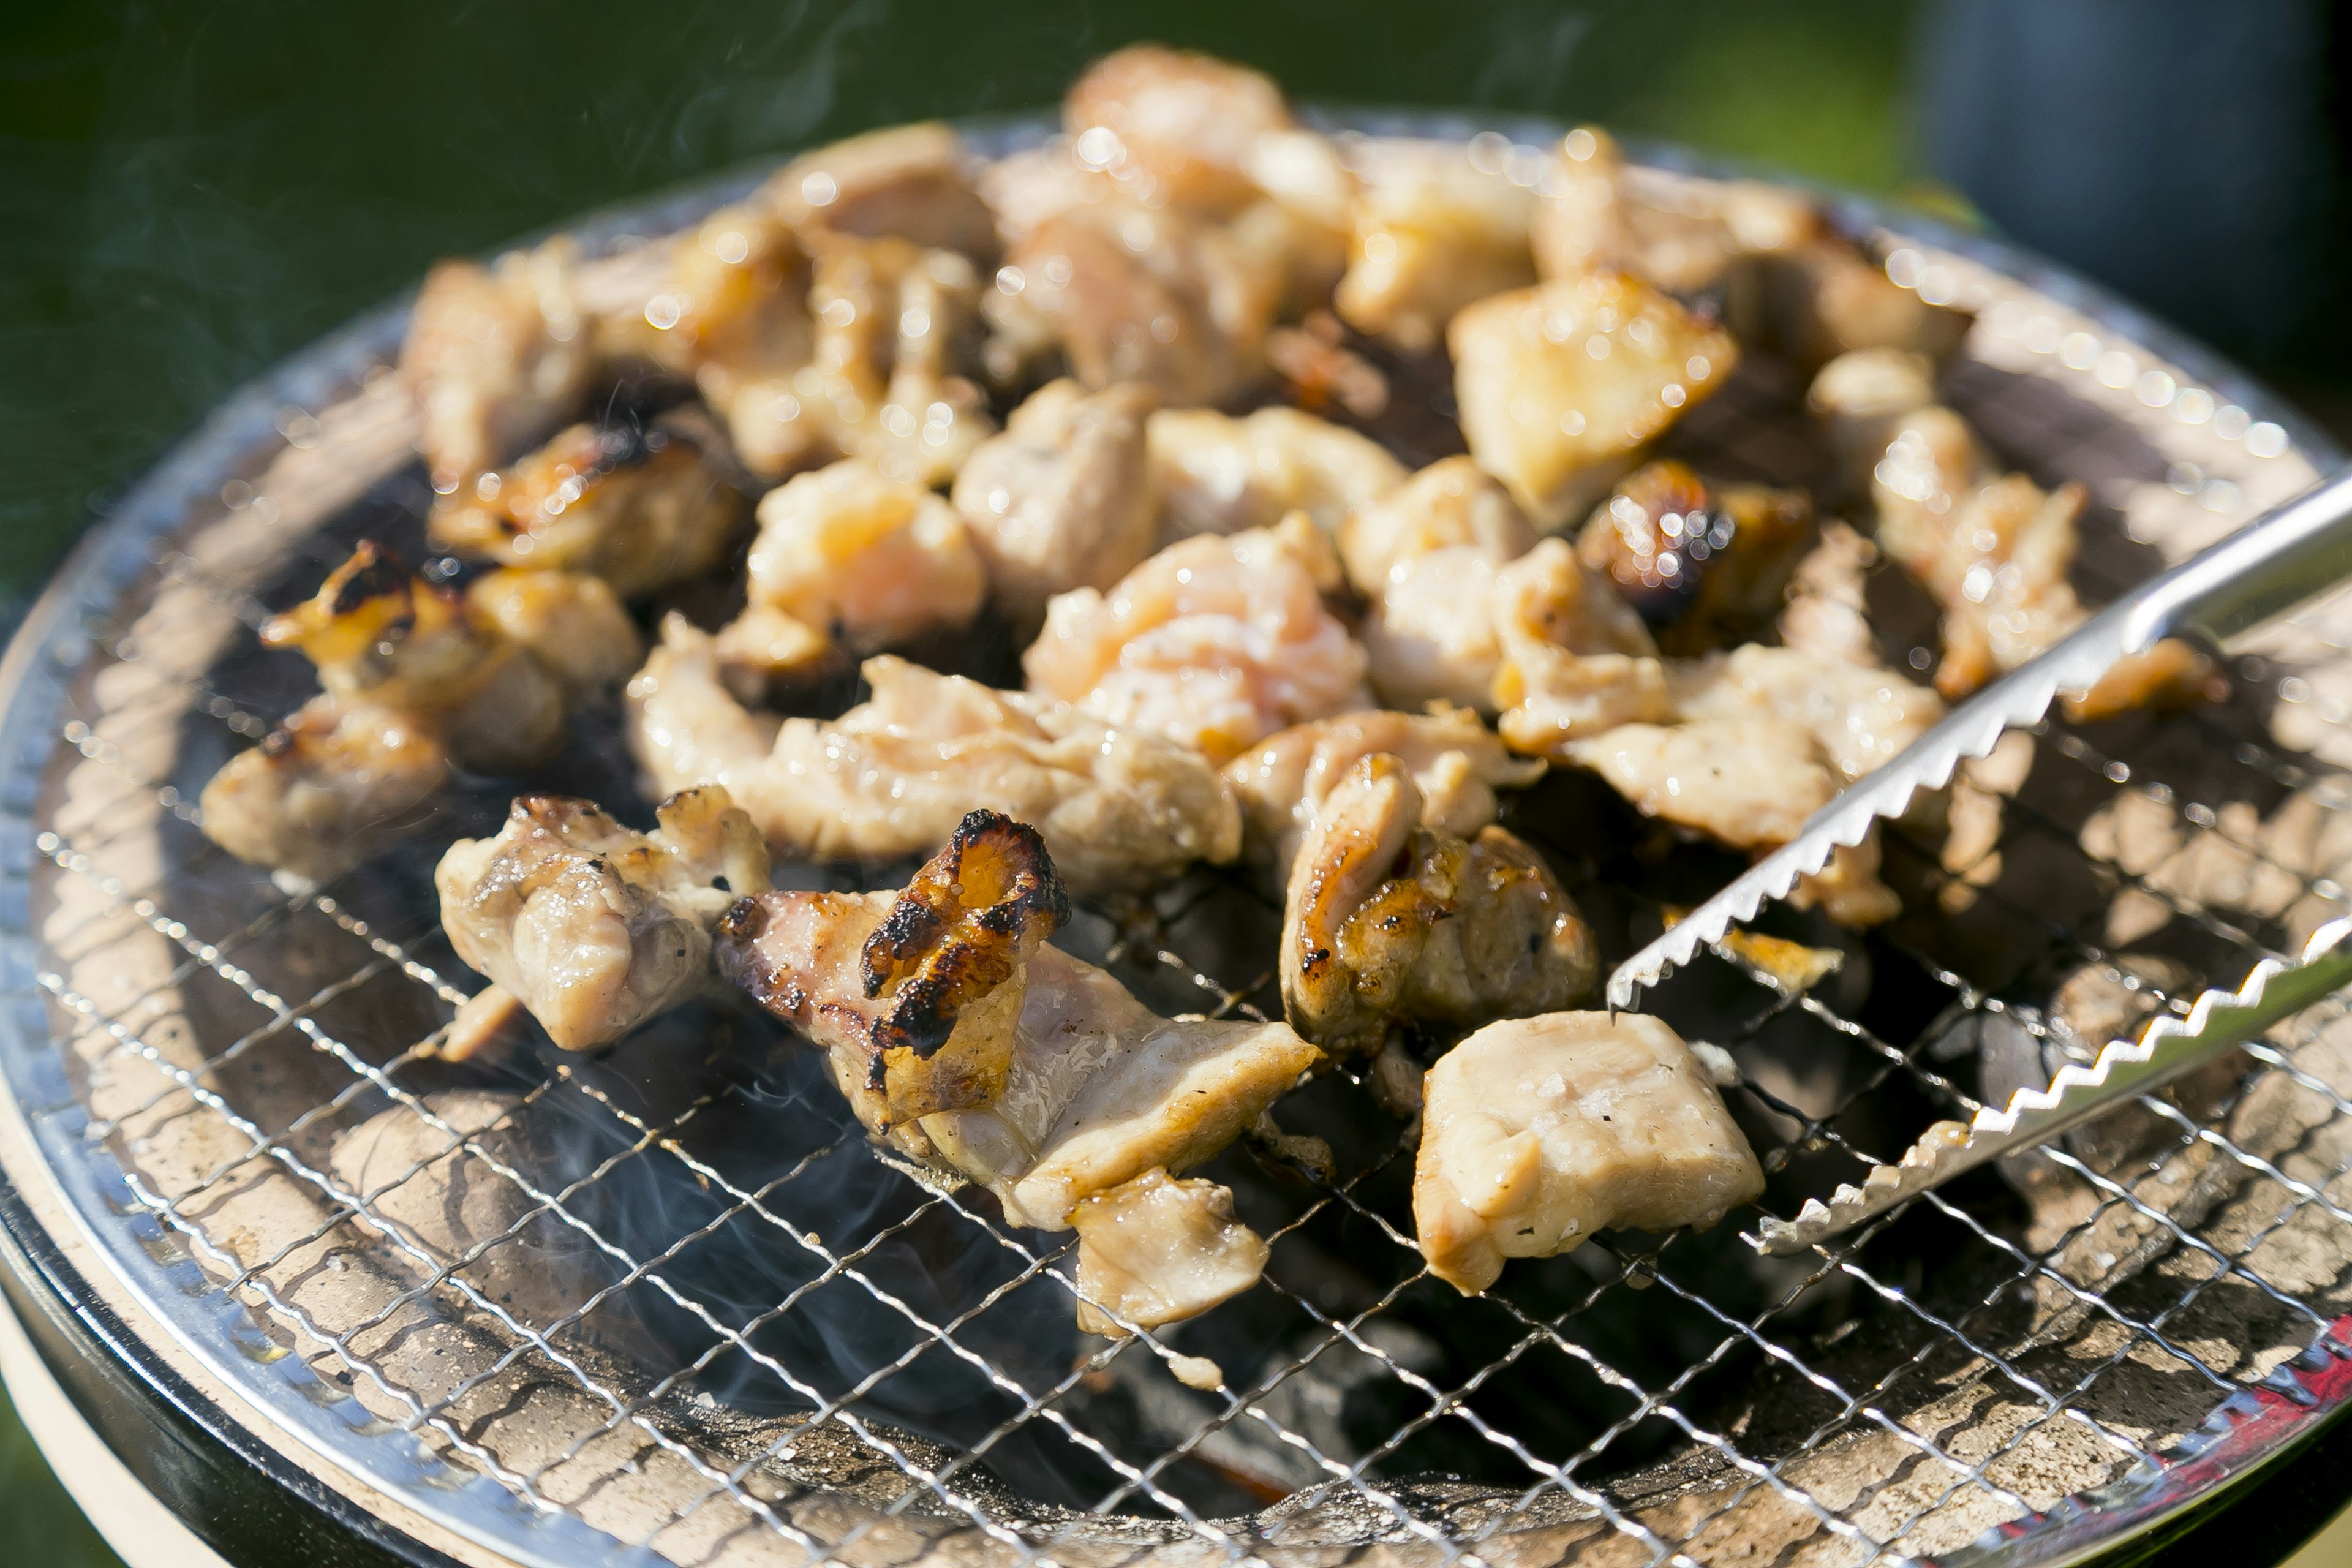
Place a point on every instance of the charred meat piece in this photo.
(592, 926)
(1455, 761)
(1539, 1132)
(1563, 386)
(1070, 1092)
(1062, 498)
(849, 555)
(895, 775)
(1390, 924)
(1217, 474)
(640, 508)
(1215, 642)
(1705, 566)
(498, 357)
(1433, 233)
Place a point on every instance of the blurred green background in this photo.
(189, 191)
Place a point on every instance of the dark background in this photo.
(189, 191)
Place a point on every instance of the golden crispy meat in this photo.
(1704, 565)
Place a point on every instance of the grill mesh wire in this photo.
(643, 1288)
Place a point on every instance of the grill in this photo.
(667, 1303)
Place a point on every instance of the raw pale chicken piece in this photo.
(853, 555)
(594, 927)
(1563, 385)
(641, 507)
(325, 789)
(572, 624)
(1537, 1134)
(1062, 498)
(1433, 233)
(1995, 553)
(1577, 659)
(1216, 474)
(415, 677)
(1388, 922)
(1451, 504)
(1155, 1250)
(1704, 565)
(894, 775)
(1456, 765)
(497, 357)
(1064, 1088)
(906, 181)
(1215, 641)
(1161, 296)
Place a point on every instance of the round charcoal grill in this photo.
(665, 1304)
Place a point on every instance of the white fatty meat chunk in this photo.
(1537, 1134)
(1156, 1251)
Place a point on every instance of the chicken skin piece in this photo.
(1215, 642)
(1062, 498)
(1705, 566)
(1995, 551)
(1456, 765)
(893, 776)
(594, 927)
(1432, 234)
(1066, 1089)
(498, 357)
(1539, 1132)
(640, 508)
(1156, 1251)
(848, 555)
(1388, 922)
(905, 182)
(415, 678)
(1216, 474)
(1576, 658)
(1563, 386)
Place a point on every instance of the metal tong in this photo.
(2273, 565)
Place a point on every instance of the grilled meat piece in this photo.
(1155, 1250)
(1169, 125)
(573, 624)
(1388, 921)
(640, 508)
(498, 357)
(1563, 386)
(1215, 642)
(1426, 557)
(1218, 474)
(592, 926)
(905, 181)
(849, 553)
(1119, 807)
(1062, 498)
(1576, 658)
(1537, 1134)
(1704, 565)
(1455, 761)
(325, 789)
(1676, 234)
(1433, 233)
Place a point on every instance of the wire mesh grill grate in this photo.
(671, 1291)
